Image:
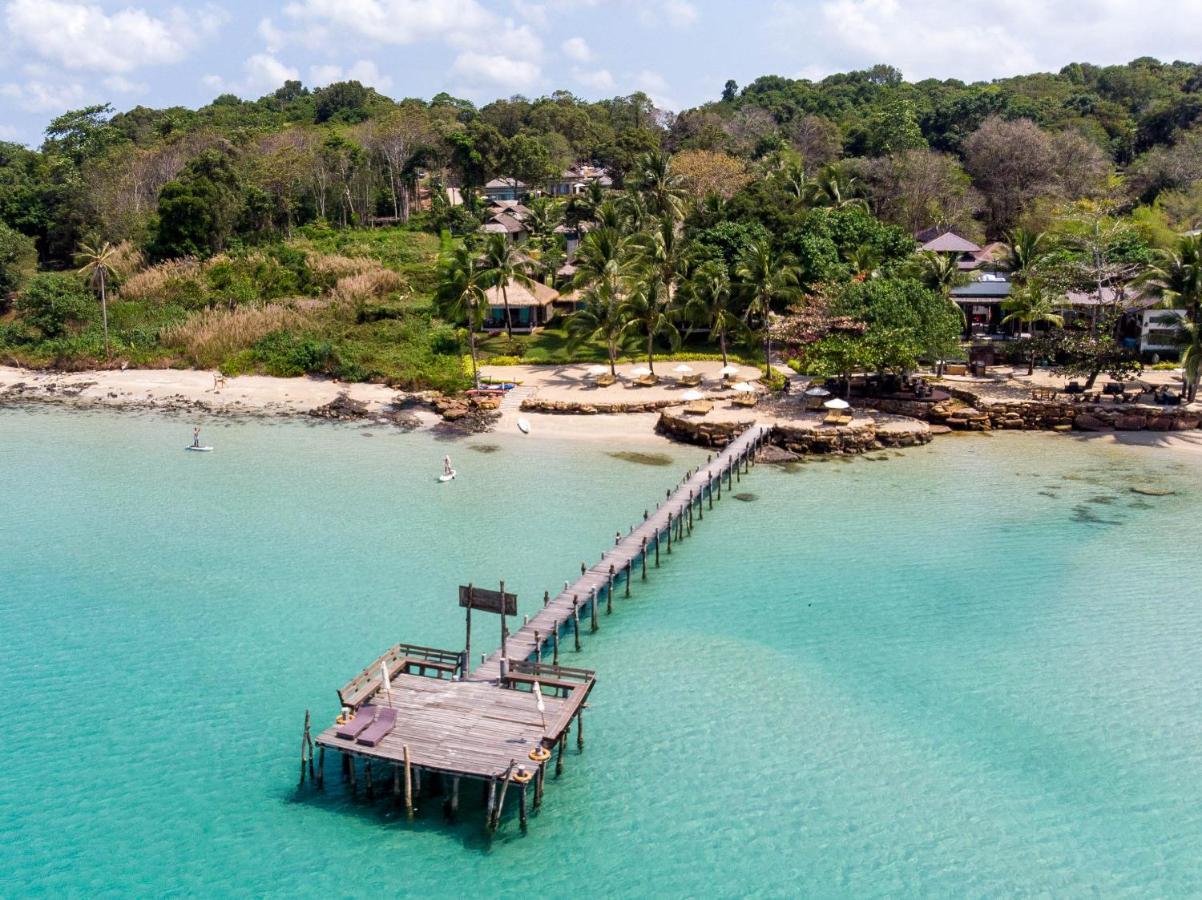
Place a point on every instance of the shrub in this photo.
(178, 282)
(52, 303)
(286, 354)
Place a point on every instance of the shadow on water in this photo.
(484, 448)
(642, 459)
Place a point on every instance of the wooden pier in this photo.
(504, 722)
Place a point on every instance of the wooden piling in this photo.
(609, 592)
(580, 729)
(522, 807)
(539, 776)
(408, 782)
(670, 523)
(453, 801)
(371, 795)
(321, 768)
(354, 782)
(506, 779)
(546, 597)
(492, 800)
(563, 738)
(628, 566)
(657, 549)
(593, 608)
(644, 555)
(555, 646)
(576, 621)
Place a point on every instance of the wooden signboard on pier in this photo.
(488, 601)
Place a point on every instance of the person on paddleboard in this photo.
(446, 466)
(196, 436)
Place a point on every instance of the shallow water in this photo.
(969, 671)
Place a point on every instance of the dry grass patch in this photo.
(163, 282)
(209, 337)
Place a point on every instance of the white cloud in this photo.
(534, 13)
(364, 71)
(978, 40)
(121, 85)
(655, 86)
(680, 13)
(577, 48)
(82, 36)
(394, 21)
(597, 79)
(42, 97)
(261, 74)
(495, 70)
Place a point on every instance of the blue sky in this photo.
(61, 54)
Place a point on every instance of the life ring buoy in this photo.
(521, 776)
(540, 754)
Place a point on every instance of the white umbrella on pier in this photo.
(386, 682)
(597, 370)
(640, 371)
(818, 392)
(837, 403)
(742, 387)
(542, 707)
(729, 370)
(683, 369)
(690, 396)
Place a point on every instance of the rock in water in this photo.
(746, 498)
(1150, 491)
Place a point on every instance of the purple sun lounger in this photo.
(374, 733)
(357, 725)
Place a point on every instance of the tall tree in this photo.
(709, 300)
(1032, 305)
(656, 179)
(769, 280)
(649, 311)
(603, 317)
(99, 263)
(504, 265)
(461, 290)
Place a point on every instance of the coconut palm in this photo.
(1191, 359)
(865, 261)
(648, 311)
(1032, 304)
(708, 299)
(604, 257)
(601, 317)
(99, 263)
(461, 294)
(834, 189)
(504, 264)
(941, 273)
(1023, 251)
(662, 251)
(767, 279)
(1176, 275)
(661, 186)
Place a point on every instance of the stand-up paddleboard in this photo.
(447, 476)
(524, 426)
(195, 449)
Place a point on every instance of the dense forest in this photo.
(235, 234)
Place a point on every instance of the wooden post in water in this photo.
(367, 777)
(580, 729)
(467, 641)
(453, 802)
(701, 502)
(555, 646)
(576, 621)
(506, 779)
(417, 782)
(538, 647)
(504, 629)
(538, 785)
(522, 807)
(321, 768)
(593, 607)
(690, 512)
(354, 783)
(644, 559)
(492, 800)
(563, 738)
(709, 484)
(408, 782)
(670, 523)
(719, 484)
(396, 783)
(628, 568)
(609, 592)
(346, 767)
(304, 738)
(657, 548)
(546, 597)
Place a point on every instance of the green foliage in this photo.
(286, 355)
(54, 304)
(18, 258)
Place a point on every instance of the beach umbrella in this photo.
(690, 396)
(640, 371)
(683, 369)
(818, 392)
(385, 680)
(597, 370)
(729, 370)
(542, 707)
(742, 387)
(837, 403)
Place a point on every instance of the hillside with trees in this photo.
(313, 230)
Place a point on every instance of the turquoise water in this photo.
(969, 670)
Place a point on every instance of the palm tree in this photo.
(504, 264)
(604, 257)
(1176, 276)
(1024, 251)
(768, 279)
(865, 261)
(461, 292)
(834, 189)
(647, 309)
(1032, 304)
(99, 263)
(600, 317)
(709, 300)
(663, 251)
(1191, 359)
(662, 187)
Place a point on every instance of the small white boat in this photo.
(447, 476)
(524, 426)
(196, 449)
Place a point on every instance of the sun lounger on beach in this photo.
(748, 400)
(835, 418)
(698, 407)
(605, 380)
(357, 725)
(690, 380)
(646, 381)
(384, 719)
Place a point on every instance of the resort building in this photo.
(505, 189)
(530, 305)
(577, 179)
(981, 302)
